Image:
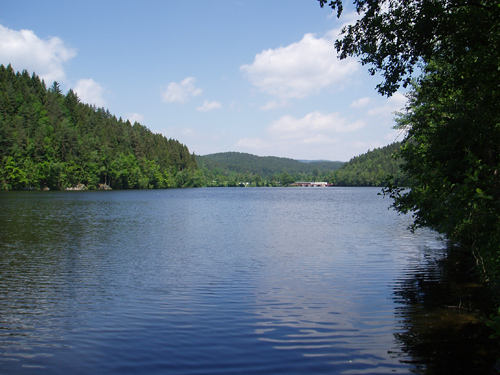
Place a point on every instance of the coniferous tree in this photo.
(51, 140)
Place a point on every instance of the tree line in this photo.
(265, 166)
(377, 167)
(49, 140)
(243, 169)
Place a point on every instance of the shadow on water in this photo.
(441, 312)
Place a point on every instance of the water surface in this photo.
(203, 281)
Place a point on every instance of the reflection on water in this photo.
(441, 301)
(209, 281)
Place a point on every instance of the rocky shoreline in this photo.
(81, 187)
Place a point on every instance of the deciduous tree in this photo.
(452, 145)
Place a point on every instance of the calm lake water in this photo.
(204, 281)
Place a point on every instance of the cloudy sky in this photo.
(253, 76)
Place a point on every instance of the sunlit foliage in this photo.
(49, 140)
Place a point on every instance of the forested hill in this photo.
(264, 166)
(51, 140)
(371, 168)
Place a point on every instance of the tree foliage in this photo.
(393, 36)
(51, 140)
(452, 145)
(452, 153)
(240, 169)
(377, 167)
(265, 166)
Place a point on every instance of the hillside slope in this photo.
(53, 141)
(264, 166)
(371, 168)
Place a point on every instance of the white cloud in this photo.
(311, 126)
(90, 91)
(360, 103)
(24, 50)
(208, 106)
(314, 136)
(135, 117)
(299, 69)
(180, 92)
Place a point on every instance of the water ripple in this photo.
(202, 281)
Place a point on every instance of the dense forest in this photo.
(265, 166)
(54, 141)
(49, 140)
(377, 167)
(240, 169)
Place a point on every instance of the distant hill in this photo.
(265, 166)
(237, 169)
(371, 168)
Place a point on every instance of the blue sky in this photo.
(224, 75)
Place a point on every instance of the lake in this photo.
(205, 281)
